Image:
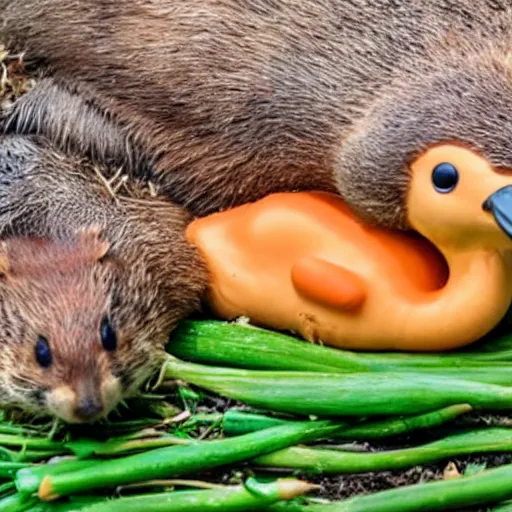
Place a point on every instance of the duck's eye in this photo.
(43, 352)
(108, 336)
(445, 177)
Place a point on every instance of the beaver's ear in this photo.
(91, 240)
(4, 260)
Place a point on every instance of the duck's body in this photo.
(303, 262)
(234, 100)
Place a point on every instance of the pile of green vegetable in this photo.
(295, 403)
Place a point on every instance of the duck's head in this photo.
(435, 153)
(456, 198)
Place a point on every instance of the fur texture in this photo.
(148, 280)
(234, 100)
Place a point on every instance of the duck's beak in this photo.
(500, 205)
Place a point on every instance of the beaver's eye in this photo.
(43, 352)
(108, 336)
(445, 177)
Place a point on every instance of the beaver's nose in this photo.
(88, 408)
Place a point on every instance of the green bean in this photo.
(235, 423)
(252, 496)
(16, 503)
(502, 507)
(399, 426)
(37, 443)
(8, 468)
(25, 455)
(29, 479)
(222, 343)
(351, 394)
(7, 488)
(325, 461)
(240, 422)
(84, 448)
(16, 430)
(228, 344)
(485, 488)
(180, 460)
(76, 504)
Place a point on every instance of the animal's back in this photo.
(239, 99)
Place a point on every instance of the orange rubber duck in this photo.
(303, 262)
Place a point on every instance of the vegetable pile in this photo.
(244, 419)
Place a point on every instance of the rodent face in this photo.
(65, 351)
(456, 198)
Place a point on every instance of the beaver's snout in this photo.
(89, 408)
(85, 404)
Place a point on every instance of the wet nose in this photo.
(88, 408)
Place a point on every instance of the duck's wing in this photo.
(328, 284)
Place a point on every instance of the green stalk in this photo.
(325, 461)
(76, 504)
(29, 479)
(8, 469)
(16, 430)
(240, 422)
(34, 456)
(485, 488)
(252, 496)
(176, 461)
(84, 448)
(351, 394)
(503, 507)
(16, 503)
(36, 443)
(222, 343)
(237, 423)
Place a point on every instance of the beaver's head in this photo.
(71, 345)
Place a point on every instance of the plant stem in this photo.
(351, 394)
(335, 462)
(488, 487)
(177, 461)
(240, 422)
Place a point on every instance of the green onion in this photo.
(351, 394)
(29, 479)
(25, 455)
(240, 422)
(180, 460)
(16, 503)
(8, 468)
(236, 423)
(503, 507)
(488, 487)
(35, 443)
(87, 448)
(491, 440)
(251, 496)
(228, 344)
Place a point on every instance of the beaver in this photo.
(91, 285)
(230, 101)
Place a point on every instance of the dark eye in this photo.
(43, 352)
(445, 177)
(108, 336)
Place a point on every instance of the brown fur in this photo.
(233, 100)
(218, 103)
(141, 274)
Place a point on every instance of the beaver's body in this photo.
(221, 102)
(234, 100)
(143, 279)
